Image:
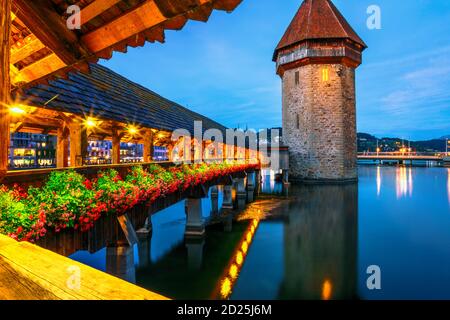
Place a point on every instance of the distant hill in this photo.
(368, 142)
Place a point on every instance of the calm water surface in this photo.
(304, 242)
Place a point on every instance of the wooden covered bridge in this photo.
(50, 83)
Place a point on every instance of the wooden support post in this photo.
(170, 152)
(5, 86)
(78, 144)
(116, 136)
(62, 149)
(148, 145)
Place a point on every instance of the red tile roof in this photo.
(318, 19)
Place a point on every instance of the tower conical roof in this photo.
(318, 19)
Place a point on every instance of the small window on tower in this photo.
(297, 78)
(298, 121)
(325, 74)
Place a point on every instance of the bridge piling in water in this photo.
(195, 253)
(241, 192)
(214, 200)
(227, 203)
(195, 226)
(251, 187)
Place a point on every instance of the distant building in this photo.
(32, 151)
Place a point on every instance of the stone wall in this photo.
(319, 122)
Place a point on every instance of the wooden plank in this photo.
(45, 23)
(96, 8)
(5, 85)
(30, 272)
(40, 68)
(32, 45)
(141, 18)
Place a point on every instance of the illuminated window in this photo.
(325, 74)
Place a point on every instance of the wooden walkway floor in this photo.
(29, 272)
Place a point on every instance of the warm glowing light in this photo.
(325, 75)
(17, 110)
(448, 184)
(132, 130)
(404, 182)
(378, 181)
(244, 246)
(239, 258)
(378, 150)
(252, 229)
(327, 289)
(233, 271)
(249, 236)
(225, 288)
(90, 123)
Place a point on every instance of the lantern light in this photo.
(17, 110)
(132, 130)
(90, 123)
(325, 74)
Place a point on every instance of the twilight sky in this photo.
(224, 70)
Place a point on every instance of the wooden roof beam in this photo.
(143, 17)
(95, 9)
(33, 45)
(41, 122)
(45, 23)
(40, 68)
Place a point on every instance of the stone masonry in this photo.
(316, 60)
(319, 122)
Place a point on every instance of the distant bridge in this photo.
(397, 156)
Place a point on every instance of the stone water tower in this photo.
(316, 60)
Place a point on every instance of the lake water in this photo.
(304, 242)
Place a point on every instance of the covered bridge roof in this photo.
(42, 45)
(106, 95)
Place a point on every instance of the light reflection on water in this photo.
(404, 181)
(448, 185)
(315, 243)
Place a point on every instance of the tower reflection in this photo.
(320, 243)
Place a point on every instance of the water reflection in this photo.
(448, 185)
(404, 182)
(320, 243)
(231, 272)
(378, 181)
(315, 243)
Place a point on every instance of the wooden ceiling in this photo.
(43, 48)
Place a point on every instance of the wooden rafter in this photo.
(45, 23)
(40, 68)
(32, 45)
(41, 24)
(96, 8)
